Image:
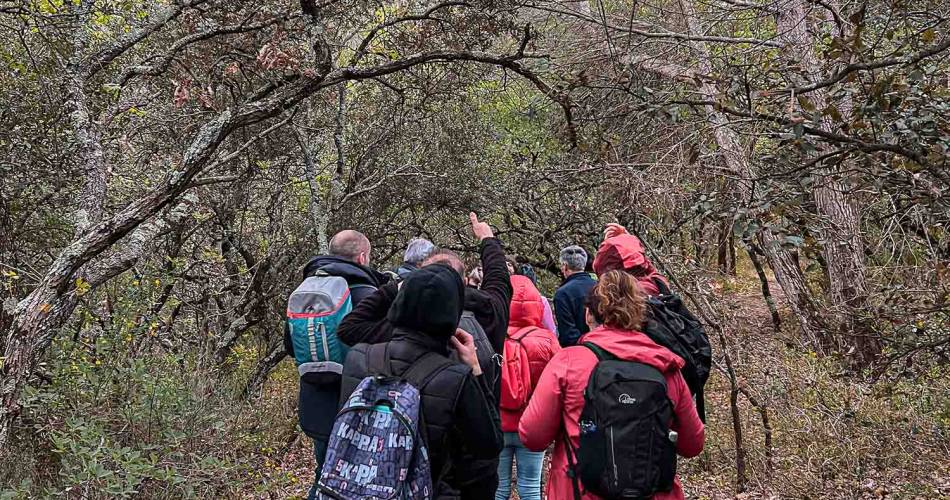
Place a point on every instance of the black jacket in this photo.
(316, 416)
(459, 420)
(569, 308)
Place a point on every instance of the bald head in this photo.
(351, 245)
(447, 257)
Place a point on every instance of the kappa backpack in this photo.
(516, 372)
(377, 448)
(314, 311)
(671, 325)
(627, 450)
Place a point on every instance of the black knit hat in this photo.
(430, 301)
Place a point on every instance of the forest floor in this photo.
(833, 435)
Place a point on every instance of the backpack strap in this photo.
(377, 359)
(602, 354)
(572, 466)
(522, 333)
(424, 369)
(662, 286)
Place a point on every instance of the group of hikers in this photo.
(433, 380)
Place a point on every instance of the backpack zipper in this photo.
(613, 456)
(326, 348)
(312, 340)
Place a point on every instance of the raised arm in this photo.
(367, 321)
(496, 283)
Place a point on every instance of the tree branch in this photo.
(843, 73)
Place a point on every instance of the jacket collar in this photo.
(353, 273)
(578, 276)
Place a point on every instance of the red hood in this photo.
(623, 252)
(634, 346)
(527, 307)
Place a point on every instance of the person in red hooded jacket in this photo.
(624, 251)
(538, 345)
(616, 305)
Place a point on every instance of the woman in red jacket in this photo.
(616, 305)
(536, 346)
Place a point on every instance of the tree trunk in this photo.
(766, 292)
(840, 229)
(782, 262)
(264, 368)
(725, 255)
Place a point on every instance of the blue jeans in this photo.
(529, 469)
(320, 454)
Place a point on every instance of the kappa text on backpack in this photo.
(377, 448)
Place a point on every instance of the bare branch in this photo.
(92, 64)
(843, 73)
(425, 16)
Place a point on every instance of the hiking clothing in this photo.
(368, 323)
(316, 417)
(569, 307)
(547, 319)
(529, 463)
(559, 398)
(404, 269)
(318, 399)
(363, 281)
(456, 412)
(319, 455)
(626, 252)
(526, 311)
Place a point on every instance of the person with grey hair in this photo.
(416, 251)
(569, 298)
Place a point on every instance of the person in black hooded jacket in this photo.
(349, 259)
(457, 415)
(477, 478)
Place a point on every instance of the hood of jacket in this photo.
(634, 346)
(430, 302)
(624, 252)
(527, 306)
(353, 273)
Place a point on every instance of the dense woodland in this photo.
(167, 167)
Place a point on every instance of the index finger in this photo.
(472, 217)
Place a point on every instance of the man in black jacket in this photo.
(459, 419)
(477, 478)
(349, 259)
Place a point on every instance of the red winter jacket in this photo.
(559, 398)
(625, 252)
(527, 311)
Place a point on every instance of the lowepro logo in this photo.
(626, 399)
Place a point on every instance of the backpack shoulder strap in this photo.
(522, 333)
(425, 369)
(661, 286)
(602, 354)
(377, 359)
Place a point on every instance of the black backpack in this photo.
(627, 450)
(488, 359)
(671, 325)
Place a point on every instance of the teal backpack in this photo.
(314, 311)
